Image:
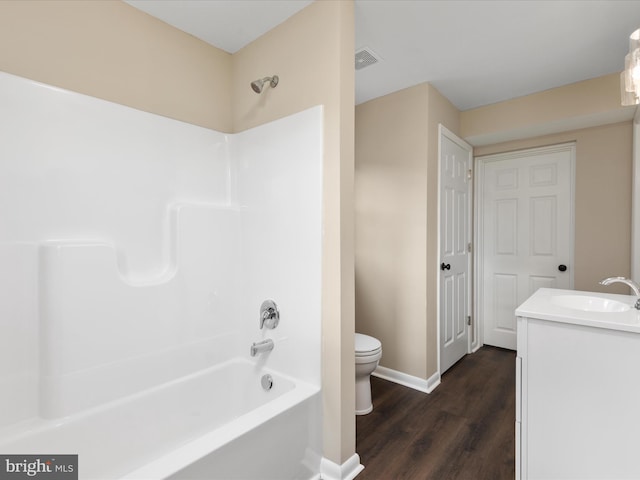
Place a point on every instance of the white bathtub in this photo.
(116, 304)
(218, 423)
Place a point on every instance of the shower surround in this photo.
(136, 253)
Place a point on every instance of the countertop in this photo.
(540, 305)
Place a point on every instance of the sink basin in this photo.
(589, 304)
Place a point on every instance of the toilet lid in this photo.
(366, 344)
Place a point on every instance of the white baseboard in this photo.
(417, 383)
(347, 471)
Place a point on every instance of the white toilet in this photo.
(368, 354)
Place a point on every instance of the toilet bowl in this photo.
(368, 354)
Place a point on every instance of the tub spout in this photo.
(261, 347)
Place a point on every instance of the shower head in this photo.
(259, 84)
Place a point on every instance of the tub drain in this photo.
(267, 382)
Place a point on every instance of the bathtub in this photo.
(218, 423)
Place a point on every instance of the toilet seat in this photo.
(366, 345)
(373, 358)
(368, 349)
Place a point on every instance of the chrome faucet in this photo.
(630, 283)
(261, 347)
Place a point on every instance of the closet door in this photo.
(525, 232)
(455, 256)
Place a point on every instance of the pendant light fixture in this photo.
(630, 78)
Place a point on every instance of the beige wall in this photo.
(312, 53)
(396, 224)
(602, 200)
(579, 105)
(109, 50)
(391, 226)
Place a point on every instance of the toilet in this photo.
(368, 354)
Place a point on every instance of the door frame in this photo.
(445, 132)
(478, 213)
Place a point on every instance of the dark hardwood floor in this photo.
(464, 430)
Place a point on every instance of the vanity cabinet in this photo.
(577, 390)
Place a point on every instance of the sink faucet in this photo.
(261, 347)
(630, 283)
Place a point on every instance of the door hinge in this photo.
(469, 320)
(469, 174)
(469, 247)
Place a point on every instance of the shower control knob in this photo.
(269, 314)
(562, 268)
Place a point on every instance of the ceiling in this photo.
(475, 52)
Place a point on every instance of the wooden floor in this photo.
(464, 430)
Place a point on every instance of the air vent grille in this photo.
(364, 58)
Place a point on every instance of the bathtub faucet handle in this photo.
(269, 314)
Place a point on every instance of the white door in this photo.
(455, 259)
(525, 232)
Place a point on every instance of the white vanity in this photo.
(578, 386)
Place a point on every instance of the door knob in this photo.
(562, 268)
(445, 266)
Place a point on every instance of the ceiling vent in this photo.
(365, 57)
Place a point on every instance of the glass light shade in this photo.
(627, 98)
(634, 40)
(630, 78)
